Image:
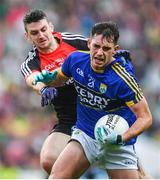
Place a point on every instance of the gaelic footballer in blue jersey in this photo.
(105, 84)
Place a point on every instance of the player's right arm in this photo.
(38, 86)
(56, 78)
(30, 68)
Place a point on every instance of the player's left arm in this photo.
(143, 121)
(129, 91)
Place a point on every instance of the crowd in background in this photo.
(24, 124)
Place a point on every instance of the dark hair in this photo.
(107, 29)
(33, 16)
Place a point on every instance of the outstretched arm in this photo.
(47, 93)
(55, 78)
(38, 86)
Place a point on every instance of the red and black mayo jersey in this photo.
(65, 102)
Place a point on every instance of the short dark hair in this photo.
(107, 29)
(33, 16)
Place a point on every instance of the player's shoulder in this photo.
(75, 40)
(121, 71)
(72, 36)
(79, 53)
(78, 57)
(32, 54)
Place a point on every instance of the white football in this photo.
(114, 122)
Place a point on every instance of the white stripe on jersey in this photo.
(24, 67)
(69, 36)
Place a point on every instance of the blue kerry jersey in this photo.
(102, 93)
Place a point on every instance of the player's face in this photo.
(101, 51)
(40, 34)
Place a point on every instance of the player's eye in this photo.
(44, 29)
(106, 48)
(34, 33)
(96, 46)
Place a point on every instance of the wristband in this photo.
(120, 140)
(42, 90)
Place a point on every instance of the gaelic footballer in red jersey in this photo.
(49, 52)
(65, 102)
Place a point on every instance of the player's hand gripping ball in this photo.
(109, 128)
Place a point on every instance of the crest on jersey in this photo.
(103, 88)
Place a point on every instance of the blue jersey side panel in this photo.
(102, 93)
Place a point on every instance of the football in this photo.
(114, 122)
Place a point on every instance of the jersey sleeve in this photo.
(76, 40)
(128, 90)
(130, 93)
(31, 63)
(67, 66)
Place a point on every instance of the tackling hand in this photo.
(47, 95)
(123, 53)
(108, 136)
(45, 76)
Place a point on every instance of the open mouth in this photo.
(98, 60)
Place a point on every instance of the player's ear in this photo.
(51, 26)
(89, 43)
(116, 47)
(26, 35)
